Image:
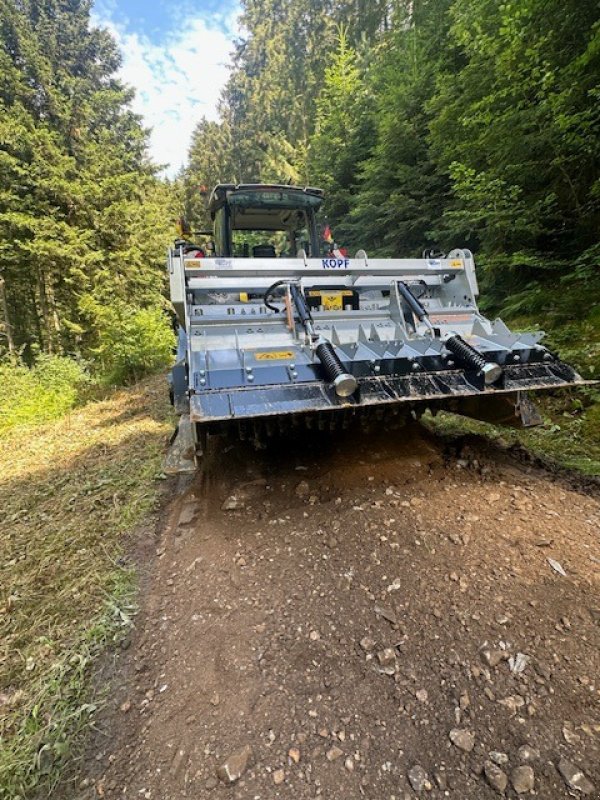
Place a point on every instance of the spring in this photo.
(465, 353)
(332, 366)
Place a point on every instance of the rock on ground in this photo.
(260, 628)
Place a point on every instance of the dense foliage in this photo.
(83, 219)
(431, 123)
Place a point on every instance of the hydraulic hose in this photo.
(463, 351)
(343, 382)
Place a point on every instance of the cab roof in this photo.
(298, 196)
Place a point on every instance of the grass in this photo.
(72, 488)
(570, 435)
(70, 491)
(39, 394)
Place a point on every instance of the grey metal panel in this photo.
(423, 389)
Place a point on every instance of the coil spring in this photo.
(332, 366)
(467, 354)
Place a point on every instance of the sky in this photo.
(176, 56)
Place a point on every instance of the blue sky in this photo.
(176, 56)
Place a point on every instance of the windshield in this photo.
(273, 198)
(270, 243)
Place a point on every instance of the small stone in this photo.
(314, 636)
(493, 657)
(126, 706)
(367, 644)
(569, 734)
(278, 777)
(232, 503)
(349, 764)
(495, 777)
(302, 489)
(294, 755)
(522, 779)
(178, 760)
(387, 660)
(232, 769)
(187, 514)
(334, 753)
(387, 614)
(463, 739)
(498, 758)
(422, 695)
(215, 699)
(513, 703)
(418, 778)
(574, 777)
(441, 779)
(211, 783)
(528, 753)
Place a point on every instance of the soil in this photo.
(359, 615)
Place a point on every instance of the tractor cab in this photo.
(265, 221)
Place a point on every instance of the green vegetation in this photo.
(84, 221)
(437, 124)
(39, 394)
(71, 490)
(430, 123)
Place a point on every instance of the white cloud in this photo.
(177, 81)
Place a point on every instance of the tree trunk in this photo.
(45, 317)
(5, 314)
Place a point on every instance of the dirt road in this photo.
(361, 616)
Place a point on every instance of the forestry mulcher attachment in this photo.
(278, 328)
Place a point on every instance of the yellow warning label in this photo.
(331, 301)
(456, 262)
(276, 355)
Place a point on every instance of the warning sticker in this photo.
(275, 355)
(331, 301)
(456, 263)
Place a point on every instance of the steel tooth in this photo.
(400, 334)
(374, 334)
(335, 339)
(362, 335)
(479, 329)
(500, 329)
(421, 346)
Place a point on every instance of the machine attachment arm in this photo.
(415, 306)
(454, 343)
(343, 382)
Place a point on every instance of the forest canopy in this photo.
(84, 221)
(430, 123)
